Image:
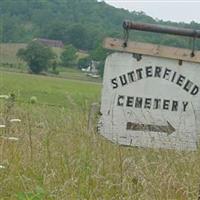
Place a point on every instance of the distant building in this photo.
(50, 43)
(92, 69)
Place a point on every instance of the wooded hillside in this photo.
(83, 23)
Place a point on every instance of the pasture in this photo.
(57, 158)
(8, 58)
(8, 53)
(10, 62)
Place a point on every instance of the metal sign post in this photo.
(150, 98)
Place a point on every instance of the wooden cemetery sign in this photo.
(151, 96)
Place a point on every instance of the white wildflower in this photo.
(4, 96)
(15, 120)
(2, 167)
(11, 138)
(2, 126)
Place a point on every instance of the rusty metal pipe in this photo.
(161, 29)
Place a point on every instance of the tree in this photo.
(78, 36)
(68, 56)
(78, 22)
(56, 30)
(84, 62)
(99, 54)
(83, 37)
(38, 56)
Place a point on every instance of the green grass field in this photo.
(58, 158)
(48, 90)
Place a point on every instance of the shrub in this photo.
(38, 56)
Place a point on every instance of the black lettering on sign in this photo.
(131, 76)
(158, 71)
(149, 71)
(195, 90)
(174, 105)
(138, 102)
(185, 104)
(173, 77)
(147, 103)
(139, 73)
(166, 104)
(166, 74)
(129, 102)
(114, 83)
(157, 104)
(155, 71)
(150, 103)
(120, 100)
(188, 85)
(123, 80)
(180, 80)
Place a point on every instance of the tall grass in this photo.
(58, 158)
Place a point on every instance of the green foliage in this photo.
(78, 36)
(84, 62)
(37, 195)
(68, 56)
(81, 23)
(99, 53)
(57, 30)
(83, 36)
(38, 56)
(101, 68)
(33, 100)
(55, 71)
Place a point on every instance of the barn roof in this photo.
(51, 43)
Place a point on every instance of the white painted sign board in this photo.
(152, 102)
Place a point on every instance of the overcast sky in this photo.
(177, 10)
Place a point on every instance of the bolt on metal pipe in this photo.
(161, 29)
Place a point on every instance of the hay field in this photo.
(8, 58)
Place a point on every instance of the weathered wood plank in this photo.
(152, 50)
